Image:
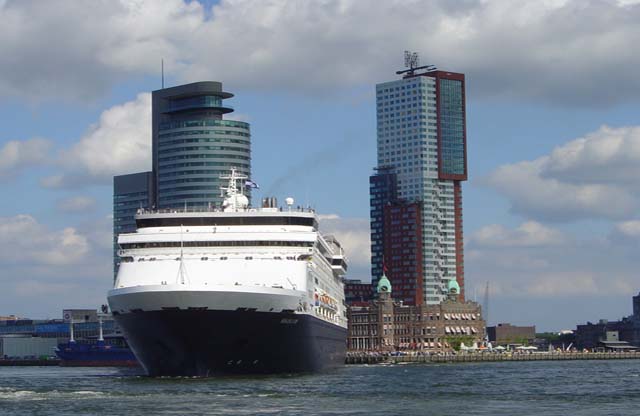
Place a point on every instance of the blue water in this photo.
(510, 388)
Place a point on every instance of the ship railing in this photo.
(142, 211)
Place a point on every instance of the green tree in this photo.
(456, 341)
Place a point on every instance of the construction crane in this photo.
(485, 312)
(486, 304)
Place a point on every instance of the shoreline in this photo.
(29, 363)
(379, 358)
(366, 358)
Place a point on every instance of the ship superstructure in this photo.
(235, 289)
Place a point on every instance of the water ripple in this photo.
(578, 388)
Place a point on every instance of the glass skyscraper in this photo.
(130, 193)
(382, 191)
(192, 145)
(421, 141)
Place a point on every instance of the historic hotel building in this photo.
(385, 325)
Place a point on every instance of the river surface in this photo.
(509, 388)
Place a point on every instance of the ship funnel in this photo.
(269, 202)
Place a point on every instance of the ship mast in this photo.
(71, 338)
(100, 334)
(235, 199)
(182, 270)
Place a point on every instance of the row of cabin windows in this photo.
(219, 221)
(127, 246)
(128, 259)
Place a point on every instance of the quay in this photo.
(358, 358)
(29, 363)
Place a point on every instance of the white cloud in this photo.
(568, 283)
(88, 45)
(240, 117)
(99, 233)
(323, 217)
(119, 143)
(45, 269)
(534, 260)
(77, 204)
(53, 181)
(590, 177)
(16, 155)
(568, 49)
(609, 156)
(31, 288)
(528, 234)
(629, 228)
(24, 240)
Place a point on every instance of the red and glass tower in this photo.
(421, 147)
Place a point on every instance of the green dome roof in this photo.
(384, 285)
(453, 287)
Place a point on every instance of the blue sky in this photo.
(551, 206)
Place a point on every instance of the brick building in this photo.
(356, 292)
(503, 334)
(385, 325)
(590, 335)
(403, 251)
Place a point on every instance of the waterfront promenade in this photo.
(375, 358)
(385, 358)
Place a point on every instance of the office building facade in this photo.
(382, 190)
(590, 335)
(403, 250)
(505, 334)
(356, 292)
(130, 193)
(193, 145)
(421, 143)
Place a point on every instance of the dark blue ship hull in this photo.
(205, 343)
(96, 354)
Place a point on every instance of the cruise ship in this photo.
(233, 289)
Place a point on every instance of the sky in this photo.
(552, 204)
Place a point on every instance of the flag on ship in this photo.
(251, 184)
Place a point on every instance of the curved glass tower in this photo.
(193, 145)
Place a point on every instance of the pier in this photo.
(29, 363)
(357, 358)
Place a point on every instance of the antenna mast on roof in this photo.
(162, 71)
(411, 61)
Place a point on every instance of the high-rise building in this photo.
(193, 146)
(421, 145)
(403, 250)
(382, 191)
(130, 193)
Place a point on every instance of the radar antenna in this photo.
(411, 61)
(235, 198)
